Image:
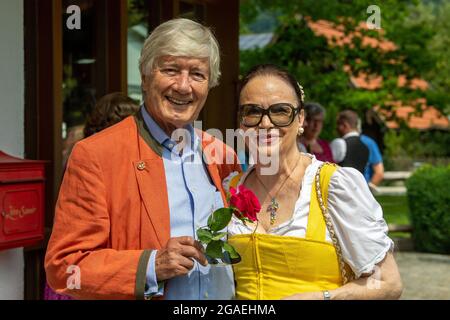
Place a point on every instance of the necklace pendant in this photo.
(272, 209)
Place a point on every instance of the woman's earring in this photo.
(300, 131)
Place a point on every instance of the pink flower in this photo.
(246, 202)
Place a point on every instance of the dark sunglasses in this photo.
(280, 114)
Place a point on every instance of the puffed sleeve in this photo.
(358, 221)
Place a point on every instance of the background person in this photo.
(314, 117)
(109, 110)
(374, 171)
(349, 150)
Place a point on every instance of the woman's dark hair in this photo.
(274, 70)
(312, 109)
(109, 110)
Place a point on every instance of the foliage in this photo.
(429, 203)
(137, 10)
(395, 211)
(319, 66)
(416, 144)
(436, 17)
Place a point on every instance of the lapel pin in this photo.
(141, 165)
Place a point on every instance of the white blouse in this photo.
(356, 215)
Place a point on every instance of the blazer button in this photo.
(141, 166)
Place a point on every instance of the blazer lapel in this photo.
(151, 179)
(152, 187)
(212, 166)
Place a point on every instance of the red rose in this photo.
(246, 202)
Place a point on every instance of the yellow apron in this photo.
(274, 267)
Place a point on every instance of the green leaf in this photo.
(219, 219)
(231, 250)
(227, 259)
(212, 260)
(218, 235)
(204, 235)
(214, 249)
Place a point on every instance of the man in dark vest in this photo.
(349, 150)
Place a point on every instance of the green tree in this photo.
(137, 12)
(320, 66)
(435, 15)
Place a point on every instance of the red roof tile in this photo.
(430, 117)
(335, 35)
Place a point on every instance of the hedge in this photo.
(429, 207)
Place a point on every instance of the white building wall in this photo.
(12, 108)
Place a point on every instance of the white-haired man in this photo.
(132, 199)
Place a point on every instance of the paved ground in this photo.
(424, 275)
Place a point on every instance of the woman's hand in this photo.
(385, 283)
(305, 296)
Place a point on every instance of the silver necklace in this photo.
(272, 208)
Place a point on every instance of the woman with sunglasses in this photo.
(320, 233)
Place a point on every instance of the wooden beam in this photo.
(116, 53)
(220, 110)
(43, 116)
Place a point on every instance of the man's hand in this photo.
(176, 258)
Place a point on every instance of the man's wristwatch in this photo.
(326, 295)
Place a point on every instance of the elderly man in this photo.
(349, 150)
(134, 194)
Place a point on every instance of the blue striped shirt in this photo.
(192, 198)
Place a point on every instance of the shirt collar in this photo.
(162, 138)
(351, 134)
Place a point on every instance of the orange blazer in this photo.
(113, 209)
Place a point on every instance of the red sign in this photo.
(21, 202)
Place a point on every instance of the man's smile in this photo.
(179, 102)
